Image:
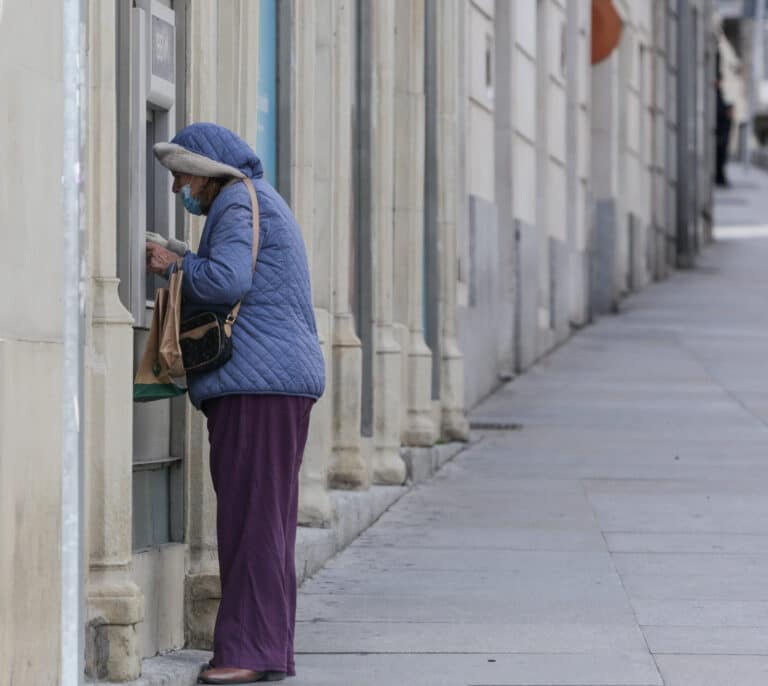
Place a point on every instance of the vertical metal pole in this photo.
(363, 132)
(432, 270)
(72, 627)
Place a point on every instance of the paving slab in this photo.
(691, 564)
(713, 670)
(442, 637)
(682, 513)
(700, 612)
(385, 669)
(465, 603)
(364, 562)
(745, 544)
(467, 539)
(707, 640)
(702, 587)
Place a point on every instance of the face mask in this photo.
(190, 202)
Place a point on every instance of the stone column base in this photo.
(348, 470)
(387, 467)
(202, 595)
(420, 431)
(454, 425)
(315, 508)
(111, 643)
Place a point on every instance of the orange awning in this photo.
(606, 29)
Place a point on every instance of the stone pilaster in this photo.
(387, 465)
(348, 468)
(418, 427)
(322, 164)
(237, 67)
(202, 590)
(114, 604)
(454, 425)
(315, 507)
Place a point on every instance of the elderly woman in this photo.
(258, 403)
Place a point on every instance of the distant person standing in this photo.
(722, 130)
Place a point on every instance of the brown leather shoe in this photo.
(234, 675)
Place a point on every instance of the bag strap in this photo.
(255, 210)
(232, 316)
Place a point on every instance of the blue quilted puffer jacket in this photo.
(275, 347)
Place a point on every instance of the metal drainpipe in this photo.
(72, 615)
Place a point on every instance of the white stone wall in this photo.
(541, 106)
(554, 53)
(480, 105)
(585, 169)
(554, 196)
(31, 356)
(525, 111)
(636, 42)
(479, 225)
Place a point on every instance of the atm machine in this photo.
(150, 110)
(150, 79)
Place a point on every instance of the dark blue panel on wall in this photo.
(266, 128)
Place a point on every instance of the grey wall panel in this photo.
(526, 270)
(478, 322)
(604, 293)
(639, 252)
(559, 288)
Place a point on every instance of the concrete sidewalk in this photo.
(620, 536)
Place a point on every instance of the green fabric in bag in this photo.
(145, 392)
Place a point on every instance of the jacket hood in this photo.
(207, 149)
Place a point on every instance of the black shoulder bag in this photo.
(206, 338)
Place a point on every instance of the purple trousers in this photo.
(257, 443)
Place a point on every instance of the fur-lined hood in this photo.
(209, 150)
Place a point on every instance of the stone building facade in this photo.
(569, 170)
(470, 187)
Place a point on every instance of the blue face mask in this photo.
(190, 202)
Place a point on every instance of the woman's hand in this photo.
(159, 259)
